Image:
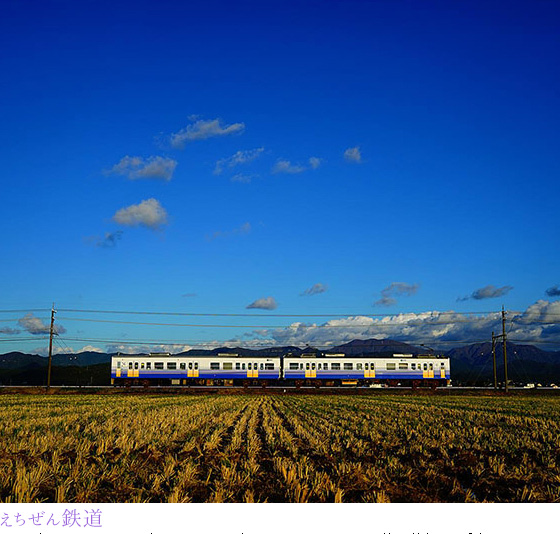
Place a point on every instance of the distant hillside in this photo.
(360, 347)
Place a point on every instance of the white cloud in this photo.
(89, 348)
(266, 303)
(35, 325)
(241, 157)
(314, 162)
(204, 129)
(314, 290)
(353, 155)
(284, 166)
(148, 213)
(136, 167)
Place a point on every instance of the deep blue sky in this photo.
(452, 109)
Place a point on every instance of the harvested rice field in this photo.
(275, 448)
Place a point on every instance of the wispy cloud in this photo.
(487, 292)
(353, 155)
(553, 291)
(244, 229)
(396, 289)
(149, 213)
(285, 166)
(314, 290)
(137, 168)
(108, 240)
(204, 129)
(9, 331)
(34, 325)
(266, 303)
(241, 157)
(314, 162)
(243, 178)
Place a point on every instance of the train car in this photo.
(339, 369)
(168, 369)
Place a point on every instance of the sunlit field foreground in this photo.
(279, 449)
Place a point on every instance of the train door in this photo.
(310, 370)
(369, 370)
(252, 370)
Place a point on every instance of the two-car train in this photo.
(298, 370)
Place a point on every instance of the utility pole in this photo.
(494, 361)
(504, 345)
(503, 336)
(50, 347)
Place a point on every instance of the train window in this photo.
(431, 366)
(372, 366)
(391, 366)
(237, 366)
(262, 366)
(135, 365)
(366, 365)
(183, 366)
(335, 367)
(190, 365)
(171, 365)
(348, 366)
(425, 367)
(148, 365)
(359, 366)
(442, 365)
(255, 366)
(196, 365)
(243, 366)
(249, 366)
(142, 365)
(301, 366)
(130, 365)
(158, 365)
(227, 366)
(313, 366)
(326, 366)
(319, 366)
(294, 366)
(413, 366)
(269, 366)
(403, 365)
(214, 366)
(307, 365)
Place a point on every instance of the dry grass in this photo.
(276, 448)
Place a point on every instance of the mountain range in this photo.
(470, 364)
